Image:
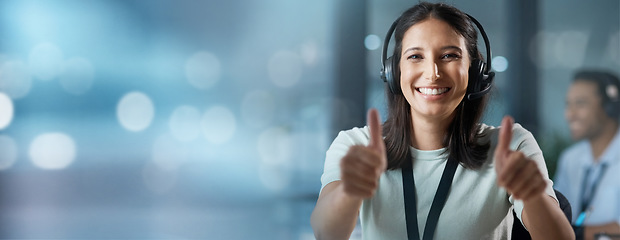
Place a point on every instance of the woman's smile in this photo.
(432, 91)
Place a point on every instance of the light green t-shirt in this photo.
(475, 207)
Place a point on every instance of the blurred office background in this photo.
(187, 119)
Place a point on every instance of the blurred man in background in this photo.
(589, 171)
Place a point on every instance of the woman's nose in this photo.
(432, 71)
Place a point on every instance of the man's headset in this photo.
(612, 105)
(480, 78)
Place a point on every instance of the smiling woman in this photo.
(434, 142)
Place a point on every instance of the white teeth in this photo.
(432, 91)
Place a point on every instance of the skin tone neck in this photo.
(601, 141)
(429, 133)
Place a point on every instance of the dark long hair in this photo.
(463, 138)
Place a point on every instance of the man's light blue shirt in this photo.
(569, 179)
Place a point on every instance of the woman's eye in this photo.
(415, 57)
(450, 56)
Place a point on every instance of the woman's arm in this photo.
(522, 178)
(336, 210)
(544, 219)
(335, 214)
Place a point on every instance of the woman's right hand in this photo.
(362, 166)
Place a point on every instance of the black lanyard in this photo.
(585, 201)
(411, 216)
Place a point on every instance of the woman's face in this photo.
(434, 68)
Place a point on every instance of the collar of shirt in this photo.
(611, 155)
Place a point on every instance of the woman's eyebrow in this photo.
(443, 48)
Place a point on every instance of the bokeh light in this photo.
(372, 42)
(8, 152)
(499, 63)
(52, 151)
(570, 48)
(135, 111)
(185, 123)
(285, 68)
(77, 76)
(202, 70)
(46, 61)
(218, 124)
(15, 79)
(274, 146)
(613, 48)
(258, 108)
(309, 52)
(6, 111)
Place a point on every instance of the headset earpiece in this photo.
(480, 76)
(612, 106)
(480, 81)
(389, 76)
(389, 72)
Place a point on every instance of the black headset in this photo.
(480, 78)
(612, 105)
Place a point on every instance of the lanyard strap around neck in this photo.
(586, 200)
(409, 192)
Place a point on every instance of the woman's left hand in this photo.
(516, 173)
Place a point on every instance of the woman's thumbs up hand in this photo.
(516, 173)
(362, 166)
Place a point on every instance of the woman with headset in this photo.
(432, 170)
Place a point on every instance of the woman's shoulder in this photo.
(519, 133)
(354, 136)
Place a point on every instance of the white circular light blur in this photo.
(570, 48)
(218, 125)
(8, 152)
(135, 111)
(275, 146)
(185, 123)
(52, 151)
(202, 70)
(613, 48)
(285, 68)
(372, 42)
(499, 63)
(6, 111)
(77, 77)
(542, 51)
(168, 154)
(46, 61)
(15, 80)
(309, 52)
(258, 108)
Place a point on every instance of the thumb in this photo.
(503, 140)
(375, 129)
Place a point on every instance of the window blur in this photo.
(210, 119)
